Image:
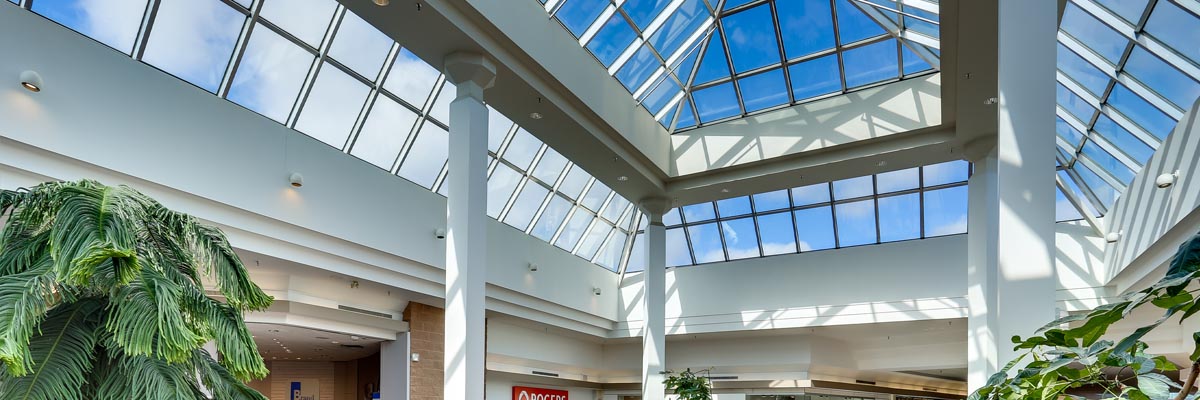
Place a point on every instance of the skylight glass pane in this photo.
(1107, 162)
(814, 227)
(595, 197)
(913, 64)
(946, 211)
(112, 22)
(895, 181)
(682, 24)
(383, 133)
(1074, 188)
(307, 20)
(577, 15)
(740, 238)
(593, 239)
(638, 68)
(806, 27)
(687, 118)
(871, 63)
(574, 229)
(1104, 192)
(637, 255)
(751, 36)
(642, 12)
(612, 40)
(678, 253)
(944, 173)
(1081, 71)
(769, 201)
(1174, 27)
(731, 4)
(1129, 10)
(270, 74)
(706, 243)
(193, 40)
(764, 90)
(615, 208)
(550, 166)
(713, 65)
(556, 211)
(332, 107)
(1164, 79)
(717, 102)
(815, 77)
(360, 46)
(811, 194)
(610, 256)
(1063, 209)
(522, 149)
(853, 25)
(900, 217)
(427, 156)
(672, 218)
(411, 79)
(777, 232)
(526, 205)
(856, 223)
(921, 26)
(1068, 132)
(853, 187)
(662, 95)
(574, 183)
(698, 212)
(1141, 112)
(1122, 139)
(1076, 106)
(1101, 38)
(500, 187)
(441, 106)
(734, 206)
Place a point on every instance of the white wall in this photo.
(117, 118)
(1079, 261)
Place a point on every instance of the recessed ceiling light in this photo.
(724, 190)
(535, 115)
(622, 178)
(334, 342)
(882, 163)
(382, 3)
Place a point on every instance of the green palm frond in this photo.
(62, 356)
(120, 377)
(239, 354)
(221, 382)
(25, 298)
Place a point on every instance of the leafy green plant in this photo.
(1070, 352)
(101, 297)
(689, 385)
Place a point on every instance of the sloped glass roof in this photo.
(1127, 72)
(318, 68)
(695, 62)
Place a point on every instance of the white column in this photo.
(654, 343)
(466, 232)
(1011, 277)
(393, 368)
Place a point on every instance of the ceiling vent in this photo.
(550, 374)
(353, 346)
(364, 312)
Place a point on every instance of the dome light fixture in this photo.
(1113, 237)
(31, 81)
(382, 3)
(296, 179)
(1166, 180)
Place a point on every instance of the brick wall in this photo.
(427, 326)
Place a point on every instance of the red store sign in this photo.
(528, 393)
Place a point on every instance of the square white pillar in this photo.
(654, 343)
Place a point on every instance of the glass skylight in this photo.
(910, 204)
(1127, 72)
(323, 71)
(695, 62)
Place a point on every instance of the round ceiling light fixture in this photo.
(382, 3)
(32, 81)
(296, 179)
(535, 115)
(623, 178)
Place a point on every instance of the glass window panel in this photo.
(920, 26)
(307, 20)
(427, 156)
(895, 181)
(751, 36)
(270, 74)
(768, 201)
(1107, 162)
(1097, 36)
(522, 149)
(526, 205)
(1129, 10)
(682, 23)
(1122, 139)
(1074, 105)
(610, 256)
(642, 12)
(360, 46)
(1141, 112)
(946, 211)
(638, 68)
(112, 22)
(193, 40)
(383, 133)
(871, 63)
(441, 106)
(853, 25)
(947, 172)
(612, 40)
(806, 26)
(498, 127)
(900, 217)
(1063, 209)
(811, 194)
(500, 187)
(856, 223)
(637, 255)
(853, 187)
(665, 90)
(332, 107)
(574, 229)
(593, 239)
(411, 79)
(687, 118)
(672, 218)
(713, 65)
(815, 77)
(706, 243)
(1104, 192)
(778, 233)
(574, 183)
(1161, 77)
(550, 166)
(698, 212)
(595, 197)
(1074, 188)
(1175, 27)
(717, 102)
(1081, 71)
(1068, 132)
(678, 253)
(556, 211)
(764, 90)
(913, 63)
(741, 240)
(733, 207)
(730, 4)
(577, 15)
(615, 208)
(814, 227)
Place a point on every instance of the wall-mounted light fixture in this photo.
(415, 357)
(296, 179)
(533, 267)
(1166, 180)
(32, 81)
(596, 291)
(1113, 237)
(439, 233)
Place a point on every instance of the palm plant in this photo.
(101, 297)
(689, 385)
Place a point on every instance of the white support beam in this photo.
(654, 343)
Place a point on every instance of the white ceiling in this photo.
(281, 342)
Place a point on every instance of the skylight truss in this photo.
(695, 62)
(316, 67)
(1127, 72)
